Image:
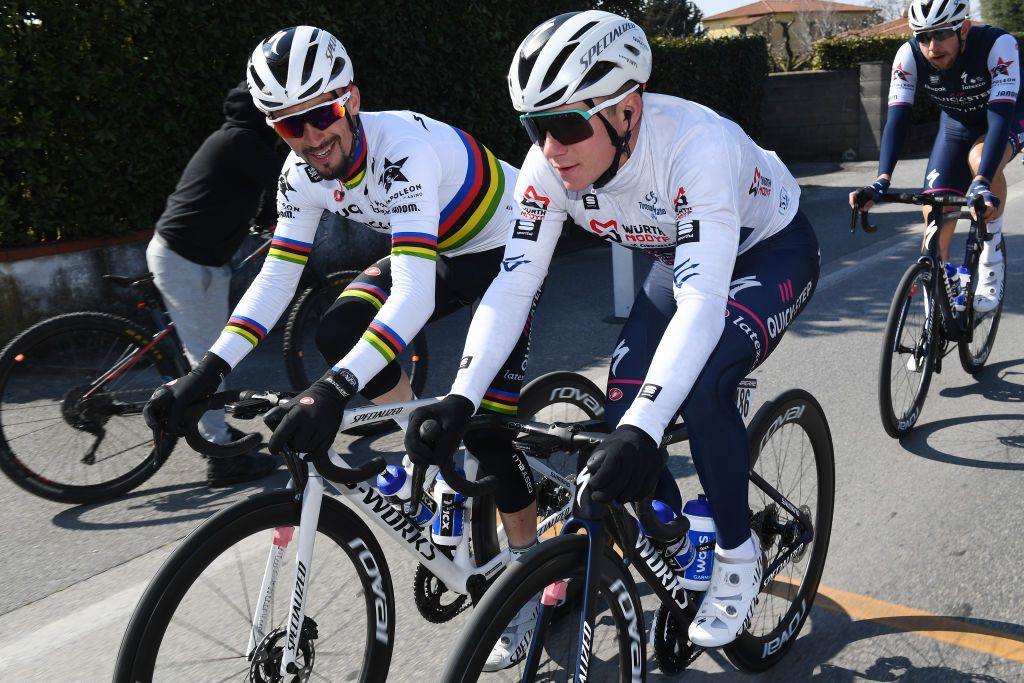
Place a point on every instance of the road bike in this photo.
(926, 321)
(244, 598)
(72, 388)
(590, 622)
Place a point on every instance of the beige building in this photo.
(791, 26)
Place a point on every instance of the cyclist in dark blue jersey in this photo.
(973, 74)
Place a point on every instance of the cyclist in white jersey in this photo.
(734, 262)
(447, 203)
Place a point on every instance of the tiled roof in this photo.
(763, 7)
(893, 27)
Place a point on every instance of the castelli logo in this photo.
(614, 394)
(307, 400)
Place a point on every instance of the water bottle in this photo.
(395, 484)
(680, 547)
(963, 276)
(697, 573)
(447, 527)
(952, 282)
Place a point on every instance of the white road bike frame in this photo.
(454, 573)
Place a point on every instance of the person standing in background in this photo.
(228, 185)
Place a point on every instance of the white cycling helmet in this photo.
(924, 15)
(295, 65)
(577, 56)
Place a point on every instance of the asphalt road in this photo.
(923, 578)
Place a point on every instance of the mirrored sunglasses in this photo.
(320, 117)
(939, 34)
(567, 126)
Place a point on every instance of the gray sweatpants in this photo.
(196, 297)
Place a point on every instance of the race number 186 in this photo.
(745, 395)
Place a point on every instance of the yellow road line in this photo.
(958, 632)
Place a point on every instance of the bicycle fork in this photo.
(309, 519)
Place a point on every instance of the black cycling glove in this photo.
(314, 416)
(625, 467)
(873, 192)
(166, 406)
(452, 413)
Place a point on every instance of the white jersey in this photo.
(432, 187)
(695, 193)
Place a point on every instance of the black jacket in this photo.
(231, 177)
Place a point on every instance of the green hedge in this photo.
(726, 74)
(101, 104)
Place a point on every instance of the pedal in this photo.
(537, 445)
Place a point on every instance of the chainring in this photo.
(429, 591)
(673, 650)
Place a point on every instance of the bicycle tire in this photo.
(561, 558)
(556, 396)
(215, 557)
(900, 413)
(303, 361)
(781, 434)
(43, 372)
(974, 354)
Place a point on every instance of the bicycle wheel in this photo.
(908, 356)
(617, 639)
(974, 354)
(304, 363)
(194, 620)
(71, 428)
(791, 449)
(556, 396)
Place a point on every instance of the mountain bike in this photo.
(925, 321)
(244, 598)
(590, 622)
(72, 388)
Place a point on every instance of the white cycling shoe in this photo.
(729, 601)
(514, 642)
(990, 287)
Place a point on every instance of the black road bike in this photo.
(925, 322)
(72, 388)
(590, 624)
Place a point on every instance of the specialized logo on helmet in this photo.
(392, 173)
(606, 40)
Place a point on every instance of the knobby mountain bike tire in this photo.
(790, 441)
(974, 354)
(902, 390)
(193, 622)
(617, 640)
(554, 397)
(304, 363)
(65, 436)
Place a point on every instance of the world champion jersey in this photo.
(987, 72)
(695, 193)
(433, 188)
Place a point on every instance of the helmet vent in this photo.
(339, 66)
(632, 48)
(586, 27)
(312, 90)
(309, 62)
(257, 81)
(526, 66)
(552, 99)
(556, 65)
(596, 73)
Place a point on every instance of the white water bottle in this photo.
(702, 534)
(447, 526)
